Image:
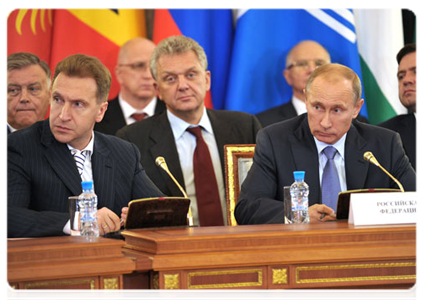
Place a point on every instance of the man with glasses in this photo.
(28, 84)
(300, 62)
(137, 99)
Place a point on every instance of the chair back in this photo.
(238, 161)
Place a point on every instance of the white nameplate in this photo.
(383, 208)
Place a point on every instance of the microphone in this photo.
(372, 159)
(160, 162)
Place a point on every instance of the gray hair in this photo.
(176, 45)
(20, 60)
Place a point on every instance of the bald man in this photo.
(137, 98)
(300, 62)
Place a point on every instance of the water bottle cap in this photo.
(87, 185)
(299, 175)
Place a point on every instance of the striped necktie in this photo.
(79, 157)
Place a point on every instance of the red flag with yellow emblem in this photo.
(30, 30)
(57, 33)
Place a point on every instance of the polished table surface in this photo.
(324, 255)
(308, 254)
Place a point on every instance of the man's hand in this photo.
(108, 221)
(124, 215)
(321, 213)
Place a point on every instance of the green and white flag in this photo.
(380, 37)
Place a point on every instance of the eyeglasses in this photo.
(136, 66)
(304, 64)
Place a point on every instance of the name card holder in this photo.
(383, 208)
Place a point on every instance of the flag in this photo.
(264, 37)
(380, 37)
(213, 30)
(30, 30)
(57, 33)
(96, 32)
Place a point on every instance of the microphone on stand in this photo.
(372, 159)
(160, 162)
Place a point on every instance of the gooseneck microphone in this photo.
(372, 159)
(161, 162)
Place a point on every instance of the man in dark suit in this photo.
(405, 124)
(42, 172)
(179, 66)
(333, 100)
(300, 62)
(28, 84)
(137, 98)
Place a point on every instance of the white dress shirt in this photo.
(11, 128)
(128, 110)
(339, 160)
(87, 173)
(186, 143)
(300, 106)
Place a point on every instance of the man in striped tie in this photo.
(48, 161)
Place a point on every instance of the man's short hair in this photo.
(335, 72)
(20, 60)
(176, 45)
(85, 66)
(407, 49)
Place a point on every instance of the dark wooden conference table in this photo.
(300, 256)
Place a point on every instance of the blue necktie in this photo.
(330, 179)
(80, 157)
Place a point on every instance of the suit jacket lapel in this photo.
(222, 133)
(160, 107)
(115, 114)
(306, 159)
(163, 144)
(61, 160)
(289, 110)
(355, 166)
(103, 167)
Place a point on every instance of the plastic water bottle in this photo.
(299, 199)
(88, 208)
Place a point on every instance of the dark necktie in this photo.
(206, 190)
(330, 180)
(138, 116)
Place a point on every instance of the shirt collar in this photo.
(11, 128)
(89, 148)
(179, 126)
(128, 110)
(339, 145)
(300, 106)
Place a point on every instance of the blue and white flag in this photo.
(263, 38)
